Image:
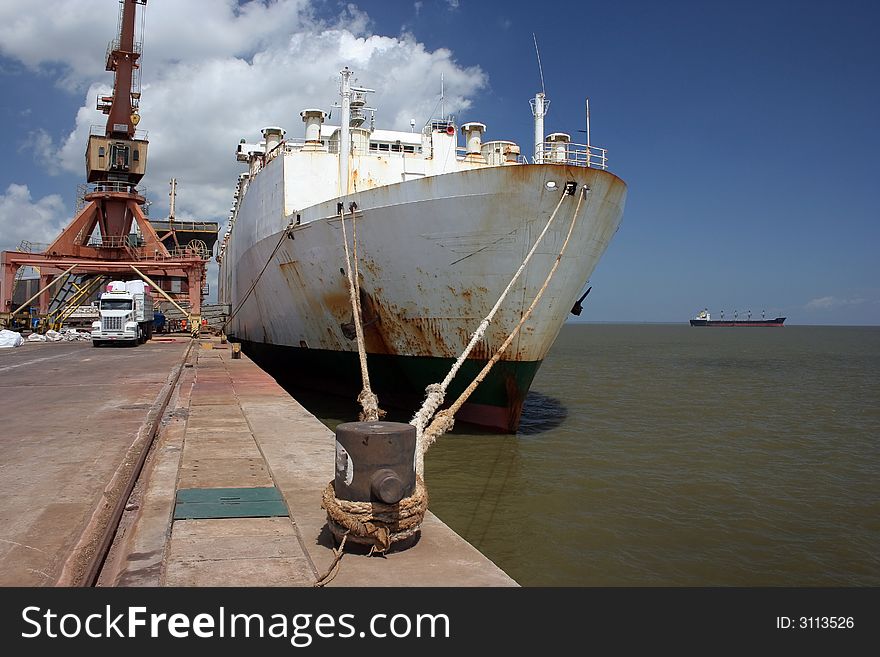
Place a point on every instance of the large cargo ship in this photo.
(439, 233)
(704, 318)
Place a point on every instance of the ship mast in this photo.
(351, 97)
(539, 109)
(345, 135)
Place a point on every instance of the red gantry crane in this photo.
(100, 241)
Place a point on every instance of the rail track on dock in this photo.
(78, 426)
(84, 564)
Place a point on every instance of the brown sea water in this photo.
(665, 455)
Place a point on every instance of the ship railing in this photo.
(461, 153)
(296, 144)
(579, 155)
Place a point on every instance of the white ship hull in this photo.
(434, 255)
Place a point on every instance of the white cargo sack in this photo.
(36, 337)
(72, 334)
(10, 339)
(54, 336)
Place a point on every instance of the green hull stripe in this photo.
(407, 376)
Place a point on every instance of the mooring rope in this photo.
(375, 523)
(327, 577)
(284, 234)
(443, 421)
(379, 525)
(435, 393)
(370, 411)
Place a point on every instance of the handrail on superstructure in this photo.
(579, 155)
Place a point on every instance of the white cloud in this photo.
(54, 37)
(43, 149)
(215, 72)
(829, 303)
(22, 218)
(68, 37)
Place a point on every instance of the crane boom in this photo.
(122, 59)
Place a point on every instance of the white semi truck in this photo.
(126, 311)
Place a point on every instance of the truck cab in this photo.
(126, 314)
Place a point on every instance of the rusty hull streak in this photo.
(427, 335)
(373, 326)
(370, 266)
(482, 351)
(333, 305)
(516, 397)
(410, 336)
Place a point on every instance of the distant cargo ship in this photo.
(705, 319)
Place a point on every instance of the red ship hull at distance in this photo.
(705, 319)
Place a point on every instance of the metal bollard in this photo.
(375, 461)
(236, 349)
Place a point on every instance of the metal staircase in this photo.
(74, 291)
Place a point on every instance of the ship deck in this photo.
(78, 421)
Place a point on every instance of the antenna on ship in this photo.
(539, 104)
(442, 98)
(587, 112)
(540, 69)
(433, 114)
(587, 130)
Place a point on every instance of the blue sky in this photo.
(746, 131)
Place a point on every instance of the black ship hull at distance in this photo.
(742, 322)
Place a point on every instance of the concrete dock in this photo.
(78, 420)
